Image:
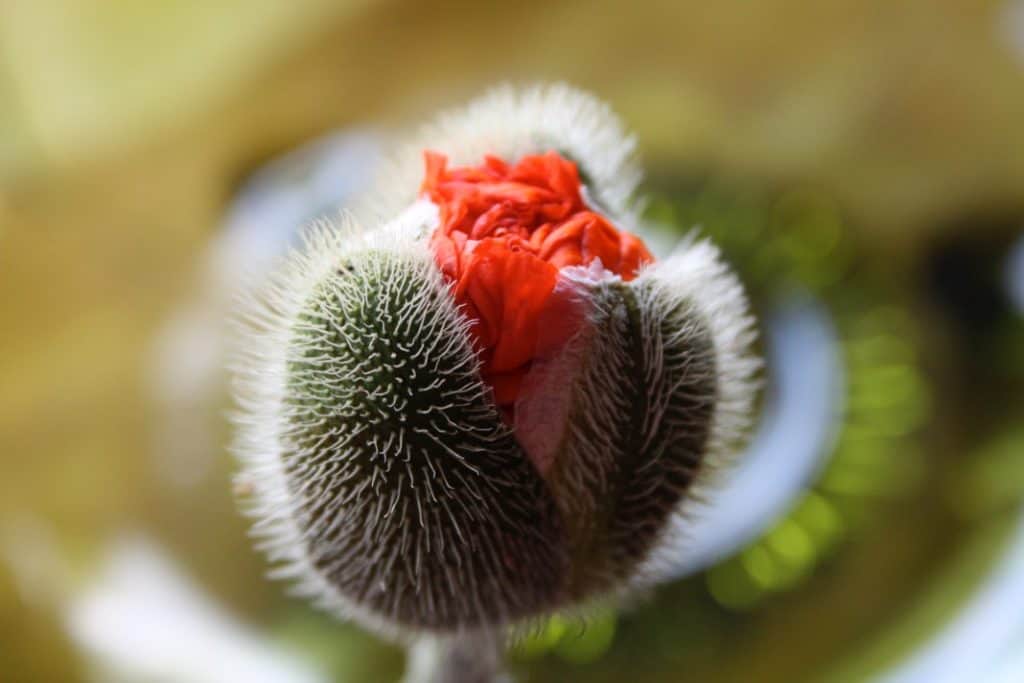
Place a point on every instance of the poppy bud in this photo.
(492, 404)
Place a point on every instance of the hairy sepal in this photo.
(384, 480)
(647, 400)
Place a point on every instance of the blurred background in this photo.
(861, 163)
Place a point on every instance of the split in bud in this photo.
(496, 403)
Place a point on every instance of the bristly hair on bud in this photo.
(493, 402)
(383, 480)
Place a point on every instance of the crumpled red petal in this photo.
(505, 232)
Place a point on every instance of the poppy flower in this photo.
(480, 398)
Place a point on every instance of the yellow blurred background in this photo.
(127, 127)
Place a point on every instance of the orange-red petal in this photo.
(505, 231)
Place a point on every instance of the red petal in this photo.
(506, 230)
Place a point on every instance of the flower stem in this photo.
(464, 658)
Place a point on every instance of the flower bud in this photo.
(493, 404)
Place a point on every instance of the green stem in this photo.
(465, 658)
